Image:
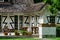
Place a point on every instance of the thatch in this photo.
(21, 7)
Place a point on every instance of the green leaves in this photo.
(54, 5)
(53, 10)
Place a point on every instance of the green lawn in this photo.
(55, 38)
(27, 39)
(17, 39)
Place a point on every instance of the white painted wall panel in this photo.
(49, 30)
(8, 21)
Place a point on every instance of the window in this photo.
(6, 1)
(0, 24)
(16, 21)
(1, 0)
(32, 21)
(37, 1)
(37, 21)
(51, 19)
(26, 21)
(58, 19)
(20, 21)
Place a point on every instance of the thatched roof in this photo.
(21, 7)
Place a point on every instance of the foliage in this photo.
(24, 32)
(17, 33)
(54, 5)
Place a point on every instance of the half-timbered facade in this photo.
(31, 15)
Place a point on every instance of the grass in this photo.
(55, 38)
(17, 39)
(27, 39)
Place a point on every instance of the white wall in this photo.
(8, 21)
(45, 14)
(49, 30)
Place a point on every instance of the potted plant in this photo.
(29, 31)
(5, 29)
(17, 33)
(23, 32)
(5, 33)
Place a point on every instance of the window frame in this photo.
(2, 1)
(37, 2)
(51, 19)
(7, 2)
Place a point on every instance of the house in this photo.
(28, 14)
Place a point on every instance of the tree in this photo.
(54, 5)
